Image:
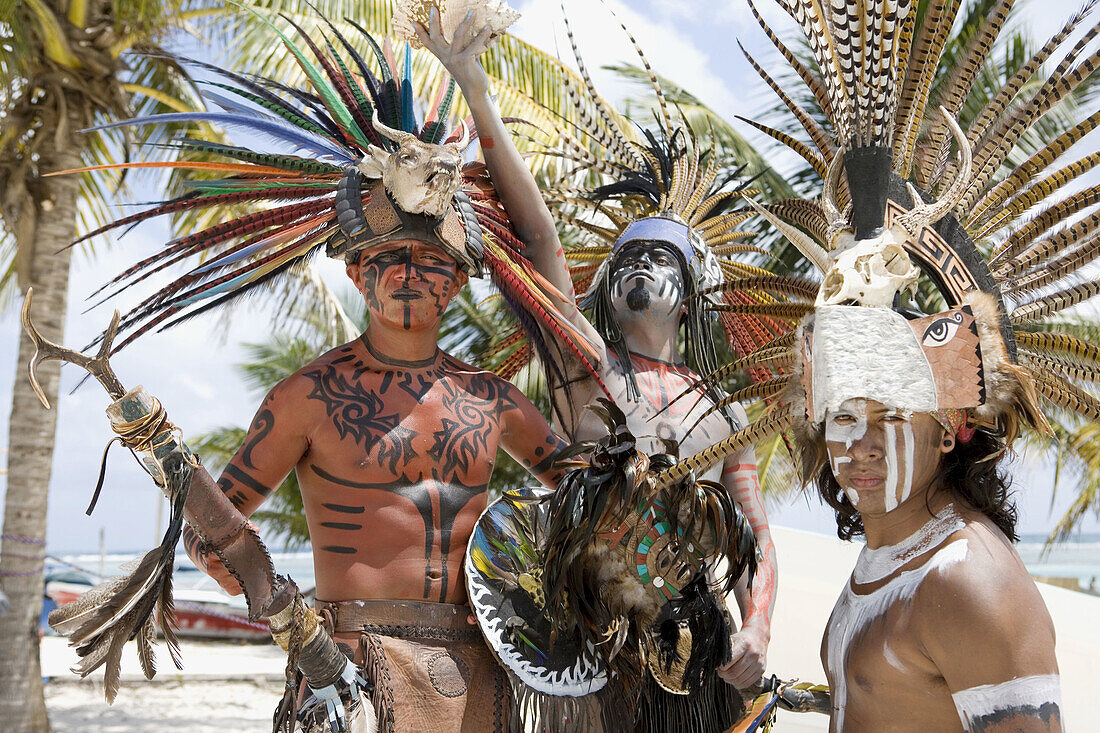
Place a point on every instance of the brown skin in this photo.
(980, 621)
(393, 442)
(659, 367)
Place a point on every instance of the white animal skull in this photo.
(420, 177)
(868, 272)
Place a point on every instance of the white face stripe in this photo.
(891, 444)
(910, 459)
(1025, 695)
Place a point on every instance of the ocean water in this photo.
(1077, 559)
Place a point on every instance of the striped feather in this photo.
(812, 82)
(1042, 307)
(1065, 395)
(918, 78)
(1022, 174)
(1006, 135)
(776, 421)
(819, 137)
(782, 311)
(760, 390)
(811, 156)
(1064, 368)
(1062, 343)
(956, 88)
(783, 285)
(995, 108)
(1071, 261)
(1016, 243)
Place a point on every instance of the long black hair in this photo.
(971, 473)
(699, 350)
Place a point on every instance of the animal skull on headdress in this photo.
(868, 272)
(420, 177)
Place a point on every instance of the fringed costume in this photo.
(350, 166)
(612, 586)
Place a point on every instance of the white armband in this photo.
(1037, 696)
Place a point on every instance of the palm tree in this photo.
(64, 66)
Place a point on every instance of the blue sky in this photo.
(191, 367)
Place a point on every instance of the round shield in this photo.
(507, 596)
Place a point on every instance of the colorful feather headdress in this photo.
(349, 166)
(621, 182)
(1000, 248)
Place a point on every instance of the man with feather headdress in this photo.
(393, 441)
(649, 289)
(920, 357)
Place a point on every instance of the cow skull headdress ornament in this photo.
(420, 177)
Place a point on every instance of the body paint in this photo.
(1011, 703)
(853, 613)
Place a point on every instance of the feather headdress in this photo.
(334, 175)
(1002, 246)
(621, 182)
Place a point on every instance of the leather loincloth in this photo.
(430, 668)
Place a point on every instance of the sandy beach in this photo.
(235, 687)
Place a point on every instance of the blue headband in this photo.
(659, 229)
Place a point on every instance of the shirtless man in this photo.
(940, 627)
(393, 443)
(649, 281)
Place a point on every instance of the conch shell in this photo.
(487, 13)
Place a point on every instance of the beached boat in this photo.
(202, 614)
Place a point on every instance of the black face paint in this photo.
(428, 282)
(645, 272)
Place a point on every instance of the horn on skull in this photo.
(923, 214)
(462, 141)
(397, 136)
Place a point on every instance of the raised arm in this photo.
(750, 643)
(272, 447)
(528, 438)
(513, 180)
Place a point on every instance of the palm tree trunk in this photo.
(52, 201)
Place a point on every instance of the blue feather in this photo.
(253, 123)
(408, 117)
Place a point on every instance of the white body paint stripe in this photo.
(977, 702)
(874, 565)
(853, 612)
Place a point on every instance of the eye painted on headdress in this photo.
(942, 330)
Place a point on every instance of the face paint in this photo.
(647, 281)
(408, 284)
(880, 455)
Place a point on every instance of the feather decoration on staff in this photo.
(102, 620)
(291, 198)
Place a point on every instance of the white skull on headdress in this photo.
(420, 177)
(868, 272)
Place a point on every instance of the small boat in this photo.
(200, 614)
(208, 614)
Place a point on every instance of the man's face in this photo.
(646, 282)
(881, 456)
(407, 284)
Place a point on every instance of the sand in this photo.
(235, 687)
